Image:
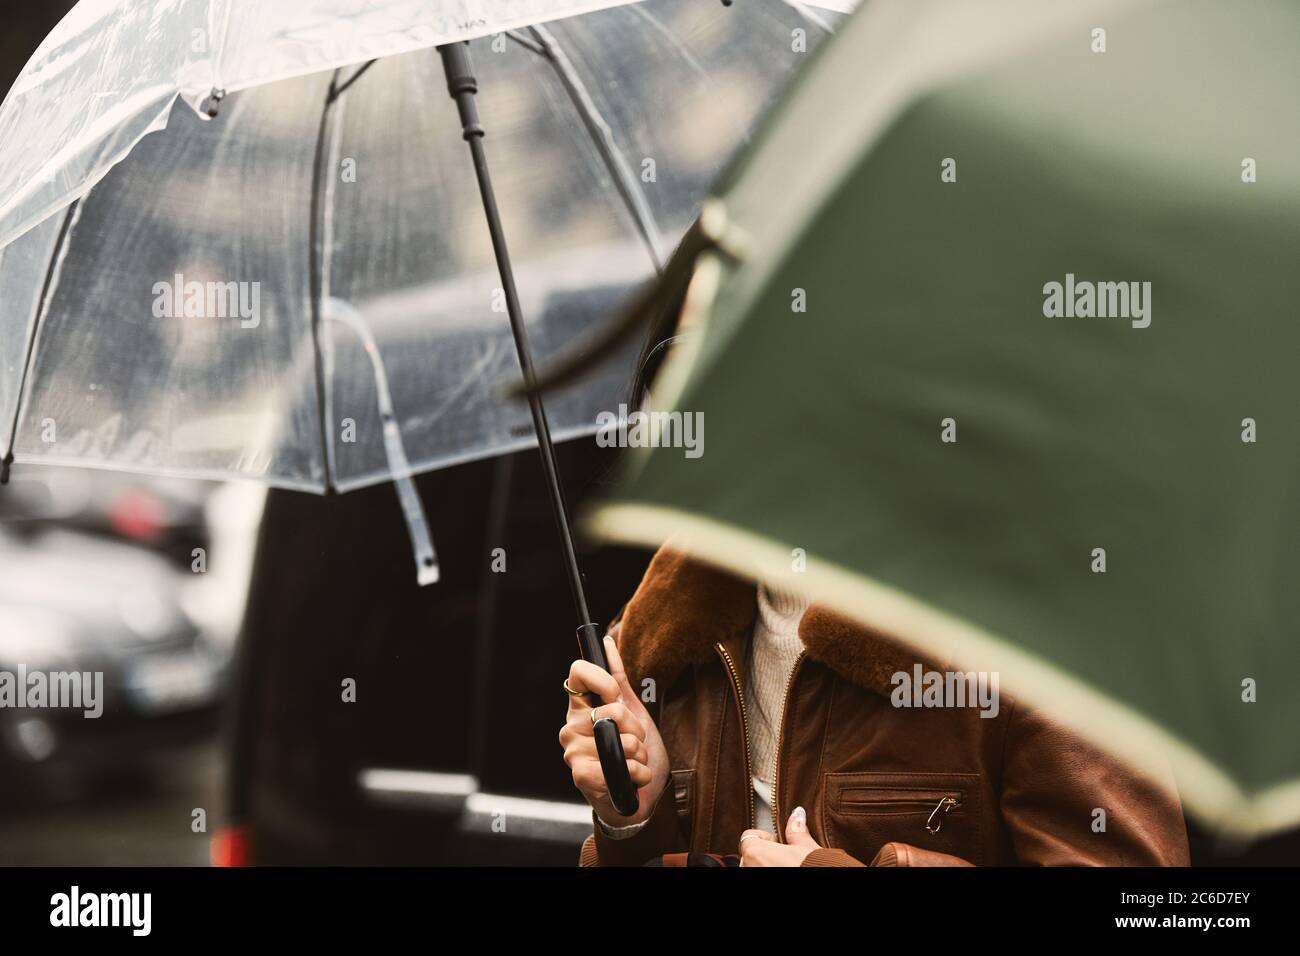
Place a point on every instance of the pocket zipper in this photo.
(935, 822)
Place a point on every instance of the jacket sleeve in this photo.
(1066, 803)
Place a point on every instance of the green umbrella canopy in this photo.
(998, 344)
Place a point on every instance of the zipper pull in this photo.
(934, 825)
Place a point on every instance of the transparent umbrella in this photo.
(247, 240)
(214, 299)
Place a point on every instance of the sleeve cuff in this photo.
(826, 856)
(619, 833)
(904, 854)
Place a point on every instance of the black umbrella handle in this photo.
(609, 745)
(462, 86)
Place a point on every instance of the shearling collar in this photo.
(683, 608)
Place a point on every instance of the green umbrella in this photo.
(997, 335)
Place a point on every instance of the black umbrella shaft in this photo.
(463, 86)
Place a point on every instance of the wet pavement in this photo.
(146, 820)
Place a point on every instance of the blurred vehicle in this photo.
(71, 602)
(165, 515)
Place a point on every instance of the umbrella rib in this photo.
(526, 43)
(602, 136)
(316, 272)
(337, 91)
(42, 306)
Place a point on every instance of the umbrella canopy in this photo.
(301, 289)
(1004, 358)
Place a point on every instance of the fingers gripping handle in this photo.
(609, 746)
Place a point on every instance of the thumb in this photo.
(630, 697)
(796, 830)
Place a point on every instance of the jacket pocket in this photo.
(861, 812)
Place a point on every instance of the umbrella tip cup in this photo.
(212, 105)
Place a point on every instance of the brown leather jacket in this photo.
(1011, 789)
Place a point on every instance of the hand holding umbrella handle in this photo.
(609, 745)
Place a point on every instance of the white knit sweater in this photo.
(773, 651)
(772, 655)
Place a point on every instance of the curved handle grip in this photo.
(609, 745)
(613, 763)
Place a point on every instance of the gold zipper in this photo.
(780, 732)
(744, 727)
